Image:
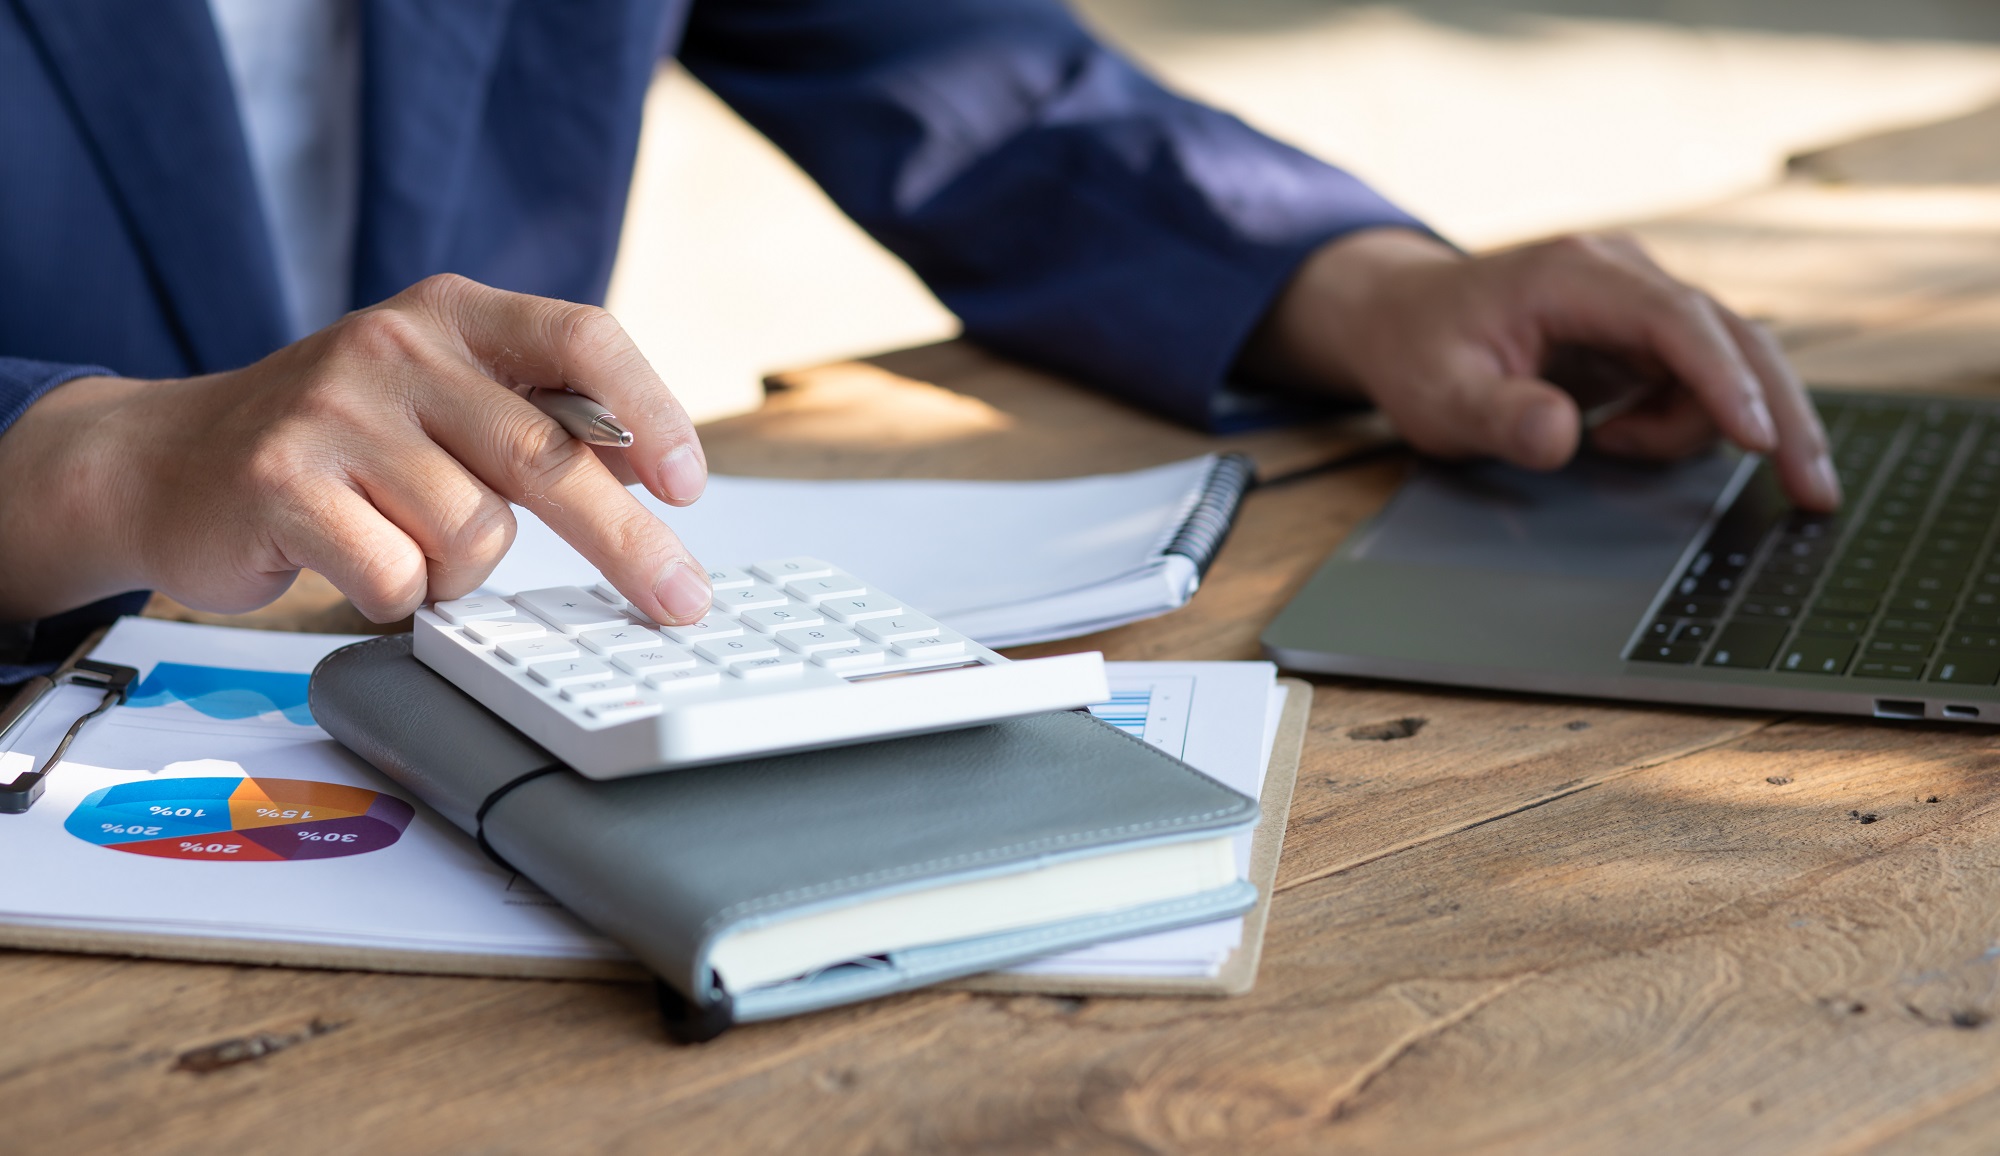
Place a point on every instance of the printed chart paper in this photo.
(211, 805)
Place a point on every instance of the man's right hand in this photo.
(381, 451)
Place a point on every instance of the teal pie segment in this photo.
(225, 692)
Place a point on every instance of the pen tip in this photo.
(611, 427)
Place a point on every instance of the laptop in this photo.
(1695, 583)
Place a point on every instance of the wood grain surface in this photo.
(1503, 924)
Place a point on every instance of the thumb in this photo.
(1530, 423)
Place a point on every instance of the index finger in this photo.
(549, 344)
(1634, 304)
(1801, 457)
(523, 455)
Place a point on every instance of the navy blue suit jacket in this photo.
(1066, 207)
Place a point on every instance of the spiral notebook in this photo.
(1007, 563)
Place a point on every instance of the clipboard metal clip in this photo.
(116, 683)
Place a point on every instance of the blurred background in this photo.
(1495, 120)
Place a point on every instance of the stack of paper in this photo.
(209, 818)
(1222, 719)
(1007, 563)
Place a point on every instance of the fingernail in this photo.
(683, 591)
(1825, 480)
(683, 476)
(1765, 429)
(1537, 435)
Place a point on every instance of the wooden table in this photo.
(1530, 925)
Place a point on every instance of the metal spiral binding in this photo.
(1207, 526)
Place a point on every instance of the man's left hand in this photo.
(1458, 352)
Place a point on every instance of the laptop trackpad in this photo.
(1595, 518)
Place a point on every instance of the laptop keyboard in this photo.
(1903, 583)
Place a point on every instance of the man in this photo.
(195, 193)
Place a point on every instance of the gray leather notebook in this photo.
(780, 885)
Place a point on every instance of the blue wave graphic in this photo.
(225, 692)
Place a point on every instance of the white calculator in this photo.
(795, 654)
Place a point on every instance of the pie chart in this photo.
(241, 820)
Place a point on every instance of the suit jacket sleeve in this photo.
(1068, 208)
(30, 648)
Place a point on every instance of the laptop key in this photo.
(1781, 609)
(1694, 631)
(1934, 583)
(1974, 640)
(1675, 652)
(1909, 603)
(1887, 648)
(1835, 624)
(1847, 604)
(1897, 624)
(1968, 669)
(1747, 645)
(1892, 668)
(1694, 607)
(1814, 655)
(1780, 586)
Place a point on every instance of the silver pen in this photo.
(586, 421)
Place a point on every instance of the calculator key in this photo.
(779, 571)
(490, 630)
(570, 671)
(873, 604)
(587, 693)
(1974, 669)
(569, 608)
(930, 646)
(613, 639)
(772, 619)
(811, 590)
(459, 611)
(728, 578)
(895, 626)
(775, 668)
(1747, 645)
(750, 597)
(609, 593)
(812, 639)
(728, 650)
(624, 710)
(653, 659)
(693, 678)
(528, 650)
(713, 626)
(1815, 655)
(851, 657)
